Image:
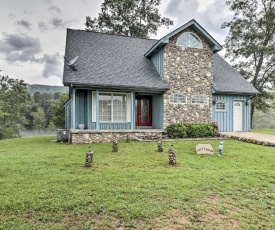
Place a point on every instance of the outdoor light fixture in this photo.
(214, 101)
(247, 102)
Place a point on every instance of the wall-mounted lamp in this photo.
(214, 101)
(247, 102)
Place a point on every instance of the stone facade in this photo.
(187, 71)
(98, 136)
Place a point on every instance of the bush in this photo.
(176, 131)
(200, 130)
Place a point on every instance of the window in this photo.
(177, 99)
(199, 99)
(220, 105)
(112, 107)
(190, 40)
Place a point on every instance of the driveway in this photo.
(256, 138)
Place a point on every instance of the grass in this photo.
(43, 185)
(264, 131)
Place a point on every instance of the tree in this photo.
(251, 43)
(58, 111)
(39, 119)
(15, 102)
(137, 18)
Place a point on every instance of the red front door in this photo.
(144, 111)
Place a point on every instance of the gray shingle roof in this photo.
(114, 61)
(228, 80)
(110, 61)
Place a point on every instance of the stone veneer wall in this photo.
(188, 71)
(93, 136)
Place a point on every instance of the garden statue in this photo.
(220, 148)
(128, 138)
(115, 147)
(160, 147)
(89, 158)
(172, 156)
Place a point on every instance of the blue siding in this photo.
(81, 108)
(157, 111)
(84, 111)
(225, 118)
(158, 60)
(68, 111)
(89, 109)
(114, 125)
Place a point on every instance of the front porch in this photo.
(96, 136)
(107, 110)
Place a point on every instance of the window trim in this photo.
(196, 36)
(177, 103)
(112, 110)
(197, 103)
(220, 110)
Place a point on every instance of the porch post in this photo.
(97, 109)
(89, 114)
(133, 110)
(73, 109)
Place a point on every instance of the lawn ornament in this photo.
(220, 148)
(89, 158)
(172, 156)
(128, 138)
(160, 146)
(115, 147)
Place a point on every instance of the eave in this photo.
(116, 87)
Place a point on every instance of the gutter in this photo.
(118, 87)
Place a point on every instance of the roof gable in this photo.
(215, 46)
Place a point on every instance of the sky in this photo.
(33, 32)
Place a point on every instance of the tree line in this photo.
(19, 110)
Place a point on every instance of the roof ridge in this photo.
(119, 35)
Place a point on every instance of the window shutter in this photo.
(94, 106)
(129, 107)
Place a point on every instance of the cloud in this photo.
(57, 23)
(24, 24)
(12, 16)
(21, 48)
(43, 27)
(55, 10)
(27, 11)
(52, 65)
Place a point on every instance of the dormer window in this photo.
(189, 40)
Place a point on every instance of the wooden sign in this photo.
(204, 149)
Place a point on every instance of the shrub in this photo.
(200, 130)
(176, 131)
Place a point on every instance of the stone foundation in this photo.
(98, 136)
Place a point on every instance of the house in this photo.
(126, 84)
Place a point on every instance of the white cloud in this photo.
(52, 65)
(21, 48)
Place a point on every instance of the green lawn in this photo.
(264, 131)
(43, 185)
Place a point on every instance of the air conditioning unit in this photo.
(62, 135)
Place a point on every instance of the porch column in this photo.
(73, 109)
(97, 110)
(89, 113)
(133, 110)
